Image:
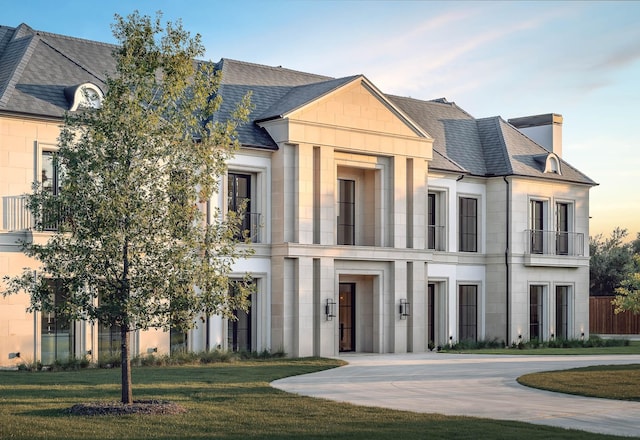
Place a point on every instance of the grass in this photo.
(225, 401)
(621, 382)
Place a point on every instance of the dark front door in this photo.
(347, 316)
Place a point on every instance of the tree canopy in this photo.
(628, 294)
(611, 262)
(137, 244)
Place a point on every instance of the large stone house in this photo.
(380, 223)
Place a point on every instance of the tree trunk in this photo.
(127, 393)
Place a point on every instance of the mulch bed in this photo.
(119, 409)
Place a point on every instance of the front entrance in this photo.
(347, 317)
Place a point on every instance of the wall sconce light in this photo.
(582, 336)
(405, 309)
(14, 355)
(552, 335)
(89, 352)
(519, 337)
(450, 341)
(152, 350)
(330, 309)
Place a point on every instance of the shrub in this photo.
(30, 365)
(70, 364)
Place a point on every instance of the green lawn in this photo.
(224, 401)
(620, 382)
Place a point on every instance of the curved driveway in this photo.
(470, 385)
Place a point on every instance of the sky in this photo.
(509, 59)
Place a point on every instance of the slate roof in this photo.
(36, 67)
(481, 147)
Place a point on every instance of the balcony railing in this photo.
(251, 225)
(436, 238)
(542, 242)
(17, 217)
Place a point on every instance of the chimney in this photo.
(546, 130)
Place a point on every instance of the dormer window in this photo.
(552, 164)
(84, 96)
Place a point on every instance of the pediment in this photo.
(357, 106)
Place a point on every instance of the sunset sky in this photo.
(512, 59)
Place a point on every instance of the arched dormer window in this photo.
(552, 164)
(86, 95)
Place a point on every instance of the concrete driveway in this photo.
(470, 385)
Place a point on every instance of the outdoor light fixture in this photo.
(14, 355)
(152, 350)
(582, 336)
(405, 309)
(330, 309)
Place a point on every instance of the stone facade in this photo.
(380, 224)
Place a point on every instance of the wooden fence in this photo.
(603, 320)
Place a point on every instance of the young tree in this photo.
(137, 246)
(628, 294)
(611, 262)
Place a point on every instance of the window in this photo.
(562, 229)
(50, 175)
(58, 336)
(239, 329)
(431, 315)
(562, 312)
(468, 225)
(537, 227)
(346, 212)
(468, 313)
(535, 312)
(177, 341)
(239, 200)
(109, 341)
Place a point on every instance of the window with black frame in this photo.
(239, 200)
(468, 313)
(57, 340)
(562, 229)
(346, 212)
(468, 234)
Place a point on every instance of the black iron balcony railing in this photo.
(250, 227)
(543, 242)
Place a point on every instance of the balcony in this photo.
(17, 217)
(436, 238)
(554, 248)
(251, 226)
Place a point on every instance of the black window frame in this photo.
(468, 224)
(238, 198)
(468, 312)
(536, 312)
(346, 218)
(537, 226)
